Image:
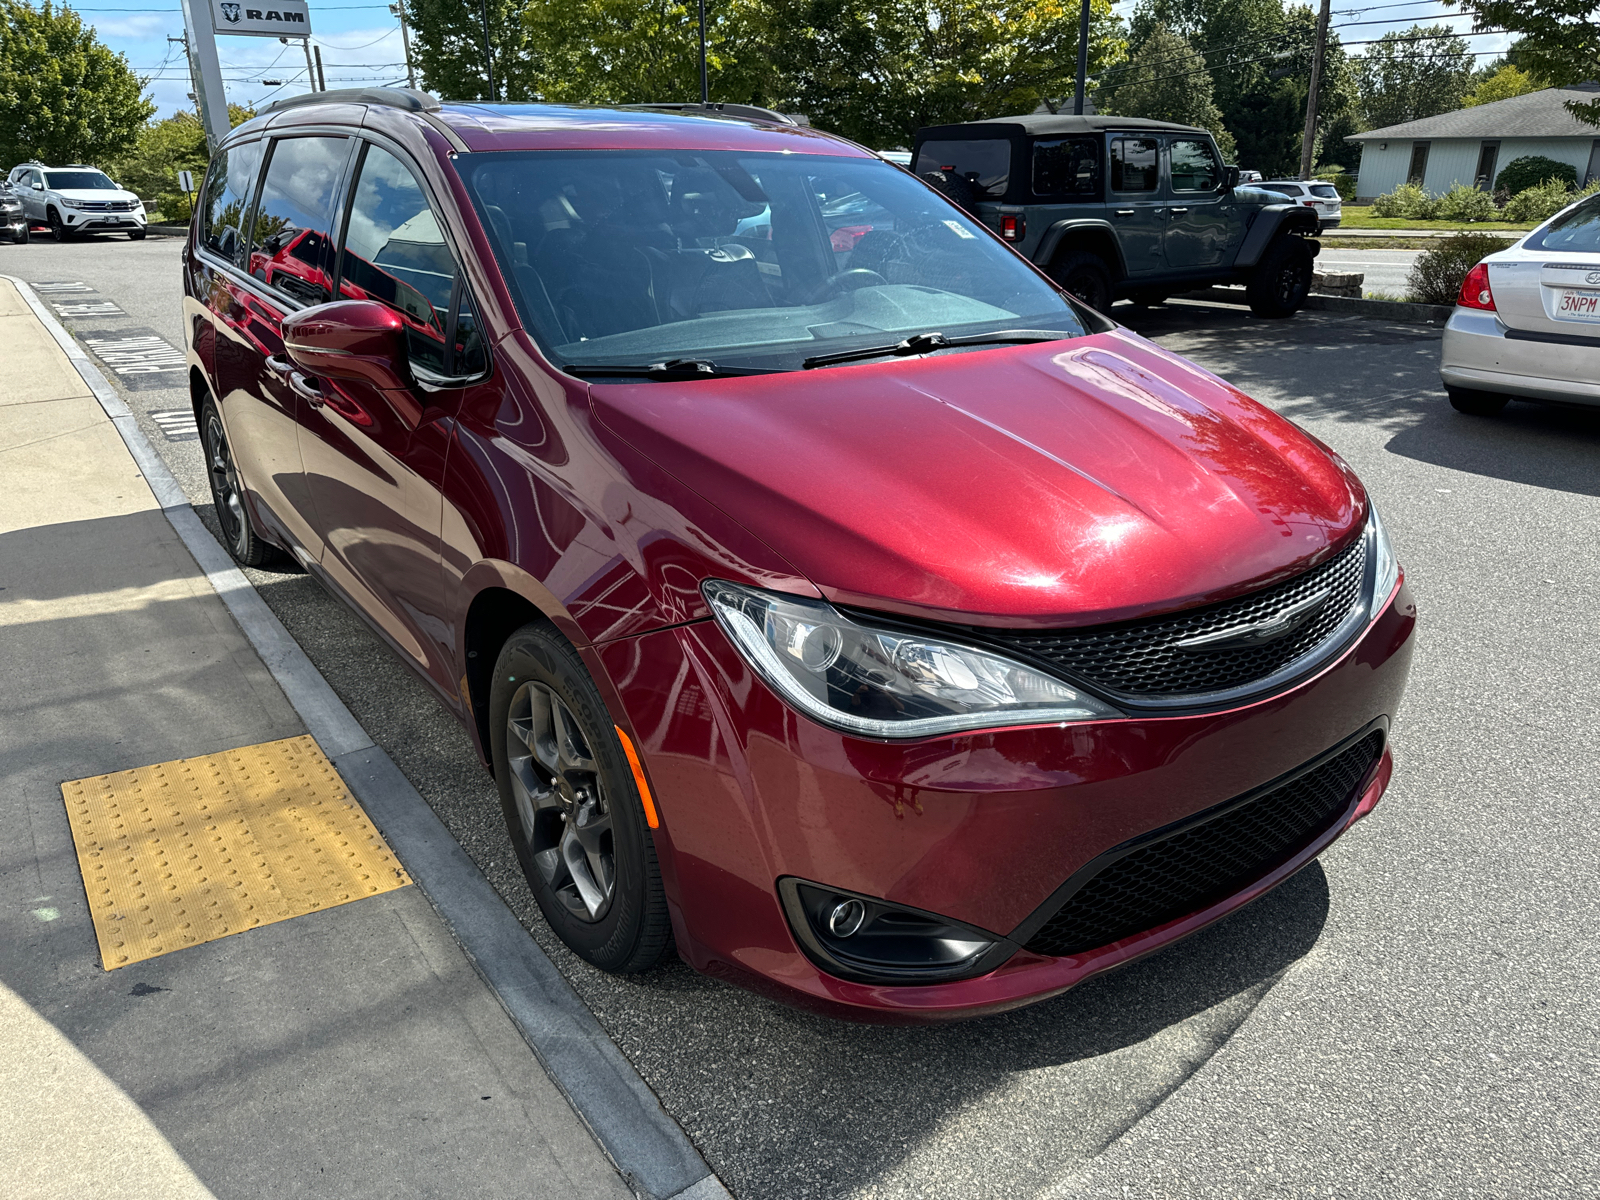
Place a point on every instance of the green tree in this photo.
(877, 72)
(1502, 84)
(1560, 41)
(64, 97)
(1418, 73)
(1164, 79)
(150, 169)
(447, 47)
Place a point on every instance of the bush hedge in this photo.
(1408, 201)
(1544, 200)
(1437, 274)
(1466, 204)
(1520, 174)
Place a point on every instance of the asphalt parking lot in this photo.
(1411, 1016)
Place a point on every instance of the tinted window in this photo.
(92, 181)
(291, 241)
(1135, 165)
(749, 259)
(986, 161)
(1325, 191)
(394, 252)
(233, 174)
(1067, 167)
(1280, 189)
(1577, 230)
(1194, 166)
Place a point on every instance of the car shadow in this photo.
(1540, 445)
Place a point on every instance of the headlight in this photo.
(71, 203)
(885, 684)
(1387, 572)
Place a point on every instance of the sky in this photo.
(360, 44)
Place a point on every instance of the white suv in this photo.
(77, 200)
(1323, 197)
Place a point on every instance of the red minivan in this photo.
(833, 597)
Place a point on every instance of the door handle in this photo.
(1124, 212)
(1178, 212)
(279, 366)
(301, 386)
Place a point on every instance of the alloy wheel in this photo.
(561, 805)
(225, 487)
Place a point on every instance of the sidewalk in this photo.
(350, 1052)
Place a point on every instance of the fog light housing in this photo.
(869, 940)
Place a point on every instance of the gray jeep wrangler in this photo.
(1121, 207)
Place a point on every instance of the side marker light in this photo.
(650, 817)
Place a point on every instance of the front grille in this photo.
(1200, 862)
(106, 205)
(1141, 658)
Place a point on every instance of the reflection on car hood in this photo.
(1060, 484)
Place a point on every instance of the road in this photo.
(1412, 1016)
(1385, 270)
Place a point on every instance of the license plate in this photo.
(1574, 305)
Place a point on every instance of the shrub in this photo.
(1436, 275)
(1520, 174)
(1344, 182)
(1408, 201)
(1463, 203)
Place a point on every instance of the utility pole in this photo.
(705, 83)
(399, 10)
(209, 96)
(1308, 144)
(1083, 58)
(322, 80)
(488, 58)
(311, 70)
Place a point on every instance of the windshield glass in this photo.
(748, 260)
(1577, 230)
(93, 181)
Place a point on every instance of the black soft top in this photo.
(1046, 125)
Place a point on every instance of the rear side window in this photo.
(985, 161)
(1194, 166)
(1135, 165)
(394, 252)
(1280, 189)
(1576, 231)
(223, 220)
(1324, 191)
(291, 243)
(1067, 167)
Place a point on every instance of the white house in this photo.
(1471, 145)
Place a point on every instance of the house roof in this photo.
(1535, 115)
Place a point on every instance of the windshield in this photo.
(91, 181)
(1577, 230)
(747, 260)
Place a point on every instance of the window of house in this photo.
(1419, 163)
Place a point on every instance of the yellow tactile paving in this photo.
(189, 851)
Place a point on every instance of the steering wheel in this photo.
(846, 281)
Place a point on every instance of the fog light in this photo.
(846, 918)
(863, 938)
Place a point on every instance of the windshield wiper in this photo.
(922, 343)
(672, 369)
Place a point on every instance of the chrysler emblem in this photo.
(1259, 633)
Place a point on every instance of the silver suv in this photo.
(77, 200)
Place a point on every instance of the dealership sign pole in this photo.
(209, 97)
(248, 18)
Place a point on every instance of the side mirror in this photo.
(1230, 178)
(358, 340)
(37, 186)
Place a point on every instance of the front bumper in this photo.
(1477, 354)
(980, 828)
(98, 221)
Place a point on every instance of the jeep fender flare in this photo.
(1269, 222)
(1099, 234)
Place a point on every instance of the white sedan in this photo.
(1527, 321)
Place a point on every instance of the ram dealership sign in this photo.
(262, 18)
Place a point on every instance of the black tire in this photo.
(22, 236)
(550, 793)
(1086, 276)
(136, 235)
(1282, 279)
(1476, 403)
(248, 548)
(57, 230)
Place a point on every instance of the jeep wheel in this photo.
(1281, 280)
(1145, 298)
(1085, 276)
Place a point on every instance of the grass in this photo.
(1334, 242)
(1359, 216)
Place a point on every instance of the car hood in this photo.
(93, 194)
(1060, 484)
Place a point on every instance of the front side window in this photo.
(394, 252)
(227, 204)
(291, 241)
(745, 259)
(1135, 165)
(986, 162)
(1194, 166)
(1067, 167)
(87, 181)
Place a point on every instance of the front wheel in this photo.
(136, 235)
(572, 807)
(57, 230)
(1282, 279)
(1476, 403)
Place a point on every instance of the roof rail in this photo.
(748, 111)
(404, 98)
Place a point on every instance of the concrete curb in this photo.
(168, 230)
(1383, 310)
(642, 1139)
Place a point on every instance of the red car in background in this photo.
(832, 597)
